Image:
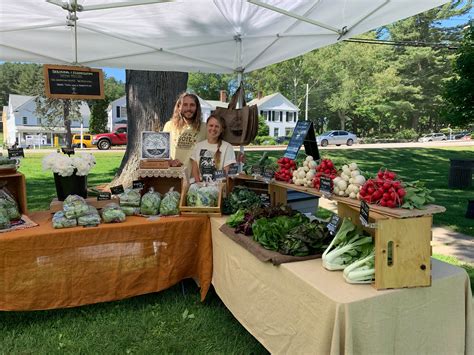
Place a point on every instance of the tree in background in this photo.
(208, 86)
(263, 129)
(459, 91)
(21, 79)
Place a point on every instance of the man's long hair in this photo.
(178, 120)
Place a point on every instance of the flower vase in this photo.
(70, 185)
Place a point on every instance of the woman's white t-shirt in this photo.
(207, 150)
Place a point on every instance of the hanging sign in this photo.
(70, 82)
(303, 134)
(333, 224)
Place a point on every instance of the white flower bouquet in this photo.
(64, 165)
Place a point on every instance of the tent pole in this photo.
(239, 105)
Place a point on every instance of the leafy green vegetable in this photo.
(75, 206)
(150, 205)
(361, 271)
(92, 218)
(417, 195)
(61, 221)
(240, 198)
(170, 203)
(306, 239)
(262, 212)
(235, 219)
(4, 219)
(202, 196)
(112, 213)
(130, 198)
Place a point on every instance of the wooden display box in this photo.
(402, 248)
(162, 184)
(16, 184)
(201, 211)
(255, 185)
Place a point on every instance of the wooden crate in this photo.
(201, 211)
(16, 184)
(402, 248)
(256, 185)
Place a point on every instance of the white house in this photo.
(280, 113)
(21, 125)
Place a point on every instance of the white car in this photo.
(337, 138)
(432, 137)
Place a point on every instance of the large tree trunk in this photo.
(151, 96)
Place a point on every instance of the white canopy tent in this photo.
(218, 36)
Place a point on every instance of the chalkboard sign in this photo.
(256, 170)
(69, 82)
(103, 196)
(325, 185)
(68, 151)
(269, 173)
(333, 224)
(233, 170)
(265, 200)
(303, 134)
(138, 184)
(364, 213)
(16, 153)
(219, 175)
(117, 190)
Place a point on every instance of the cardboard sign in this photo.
(138, 184)
(68, 151)
(15, 152)
(303, 134)
(69, 82)
(325, 185)
(117, 190)
(333, 224)
(364, 213)
(103, 196)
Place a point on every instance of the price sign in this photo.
(103, 196)
(68, 151)
(333, 224)
(233, 170)
(219, 175)
(265, 198)
(16, 153)
(364, 213)
(269, 173)
(138, 184)
(257, 170)
(303, 134)
(117, 190)
(325, 185)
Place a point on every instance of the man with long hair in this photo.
(186, 128)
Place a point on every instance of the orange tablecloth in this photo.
(46, 268)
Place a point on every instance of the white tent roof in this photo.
(219, 36)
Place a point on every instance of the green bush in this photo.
(406, 134)
(264, 140)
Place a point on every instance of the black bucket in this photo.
(70, 185)
(470, 209)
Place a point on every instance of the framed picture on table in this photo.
(155, 145)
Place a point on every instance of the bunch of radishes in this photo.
(383, 190)
(325, 168)
(286, 168)
(350, 181)
(304, 175)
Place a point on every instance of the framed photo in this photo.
(155, 145)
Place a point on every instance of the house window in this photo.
(123, 111)
(288, 132)
(275, 132)
(39, 120)
(25, 120)
(281, 116)
(117, 111)
(295, 116)
(288, 116)
(273, 116)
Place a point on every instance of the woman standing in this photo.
(213, 153)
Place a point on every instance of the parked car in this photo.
(431, 137)
(337, 138)
(105, 140)
(462, 135)
(86, 141)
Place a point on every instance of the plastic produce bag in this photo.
(91, 218)
(150, 203)
(4, 219)
(130, 211)
(112, 213)
(130, 198)
(61, 221)
(200, 195)
(8, 202)
(75, 206)
(170, 203)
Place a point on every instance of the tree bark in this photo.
(151, 96)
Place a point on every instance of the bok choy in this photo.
(361, 271)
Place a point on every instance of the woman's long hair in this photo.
(218, 154)
(178, 120)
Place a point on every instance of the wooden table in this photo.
(46, 268)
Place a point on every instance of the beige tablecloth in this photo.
(300, 307)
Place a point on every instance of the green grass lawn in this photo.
(175, 322)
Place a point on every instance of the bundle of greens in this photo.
(61, 221)
(255, 213)
(130, 197)
(4, 219)
(416, 195)
(237, 218)
(130, 211)
(240, 198)
(150, 203)
(75, 206)
(349, 245)
(306, 239)
(112, 213)
(91, 218)
(200, 195)
(170, 203)
(361, 271)
(8, 203)
(270, 232)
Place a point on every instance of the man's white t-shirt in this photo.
(207, 150)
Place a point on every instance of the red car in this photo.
(105, 140)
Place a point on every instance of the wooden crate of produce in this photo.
(16, 184)
(259, 186)
(209, 211)
(162, 179)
